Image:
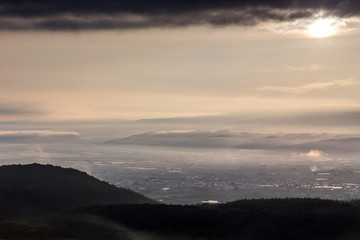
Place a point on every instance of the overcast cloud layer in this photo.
(132, 14)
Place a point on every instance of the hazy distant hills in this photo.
(336, 145)
(30, 190)
(254, 141)
(191, 139)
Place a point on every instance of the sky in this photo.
(97, 60)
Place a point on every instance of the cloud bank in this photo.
(38, 136)
(249, 141)
(309, 87)
(15, 109)
(136, 14)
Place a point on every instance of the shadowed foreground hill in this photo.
(262, 219)
(47, 202)
(33, 190)
(270, 219)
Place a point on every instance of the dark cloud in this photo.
(11, 109)
(134, 14)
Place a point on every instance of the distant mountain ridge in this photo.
(35, 188)
(341, 144)
(253, 141)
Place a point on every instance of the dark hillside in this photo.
(295, 219)
(47, 202)
(27, 190)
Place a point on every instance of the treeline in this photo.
(305, 219)
(244, 219)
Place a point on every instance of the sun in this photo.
(322, 28)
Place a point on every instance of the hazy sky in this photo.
(151, 59)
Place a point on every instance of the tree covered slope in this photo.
(27, 190)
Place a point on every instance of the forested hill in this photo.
(47, 202)
(33, 189)
(270, 219)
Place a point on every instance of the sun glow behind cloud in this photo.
(320, 24)
(322, 28)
